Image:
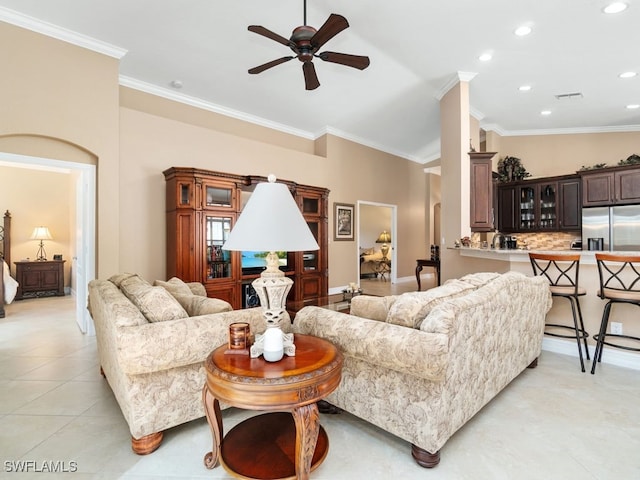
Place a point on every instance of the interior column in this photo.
(455, 134)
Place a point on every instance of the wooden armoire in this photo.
(202, 207)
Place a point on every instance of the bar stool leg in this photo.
(583, 331)
(577, 331)
(597, 355)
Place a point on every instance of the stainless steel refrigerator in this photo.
(618, 226)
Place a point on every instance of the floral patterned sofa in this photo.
(421, 364)
(152, 343)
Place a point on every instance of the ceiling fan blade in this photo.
(333, 26)
(310, 77)
(273, 63)
(355, 61)
(269, 34)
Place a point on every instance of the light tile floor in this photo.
(552, 422)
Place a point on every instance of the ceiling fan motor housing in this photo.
(301, 36)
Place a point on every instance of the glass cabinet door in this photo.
(547, 201)
(218, 196)
(218, 261)
(310, 259)
(527, 215)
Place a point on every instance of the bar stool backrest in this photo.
(561, 270)
(619, 276)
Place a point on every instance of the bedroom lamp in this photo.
(271, 221)
(384, 238)
(41, 233)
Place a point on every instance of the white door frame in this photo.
(84, 228)
(394, 234)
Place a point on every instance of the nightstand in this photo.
(39, 278)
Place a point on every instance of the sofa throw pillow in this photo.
(373, 308)
(118, 278)
(479, 279)
(174, 286)
(198, 305)
(411, 308)
(155, 303)
(197, 288)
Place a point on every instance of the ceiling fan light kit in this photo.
(305, 42)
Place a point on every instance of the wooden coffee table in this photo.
(274, 445)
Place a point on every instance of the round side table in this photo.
(274, 445)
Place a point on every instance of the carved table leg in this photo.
(214, 418)
(418, 270)
(307, 420)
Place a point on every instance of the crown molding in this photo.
(494, 127)
(211, 107)
(475, 113)
(453, 81)
(367, 143)
(560, 131)
(54, 31)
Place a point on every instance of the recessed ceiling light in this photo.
(615, 7)
(176, 83)
(627, 75)
(485, 57)
(524, 88)
(545, 112)
(523, 30)
(633, 106)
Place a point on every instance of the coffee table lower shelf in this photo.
(263, 448)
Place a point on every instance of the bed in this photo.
(8, 286)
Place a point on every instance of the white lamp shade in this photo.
(271, 221)
(41, 233)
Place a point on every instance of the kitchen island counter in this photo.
(501, 260)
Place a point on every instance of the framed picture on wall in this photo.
(343, 221)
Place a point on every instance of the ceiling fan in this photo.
(305, 42)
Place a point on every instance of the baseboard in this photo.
(611, 356)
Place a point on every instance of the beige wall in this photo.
(373, 220)
(549, 155)
(151, 143)
(64, 95)
(35, 198)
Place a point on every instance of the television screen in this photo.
(258, 260)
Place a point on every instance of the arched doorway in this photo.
(82, 204)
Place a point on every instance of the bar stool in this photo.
(562, 273)
(619, 283)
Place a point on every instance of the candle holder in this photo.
(239, 339)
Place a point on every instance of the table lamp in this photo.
(271, 221)
(41, 233)
(384, 238)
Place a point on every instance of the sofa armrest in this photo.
(397, 348)
(163, 345)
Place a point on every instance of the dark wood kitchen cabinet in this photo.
(569, 207)
(506, 208)
(39, 278)
(481, 207)
(545, 204)
(611, 186)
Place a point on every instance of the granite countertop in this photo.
(518, 255)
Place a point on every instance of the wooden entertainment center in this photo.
(202, 207)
